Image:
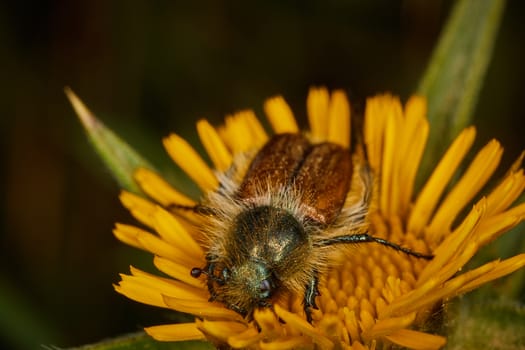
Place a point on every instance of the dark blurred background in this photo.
(148, 68)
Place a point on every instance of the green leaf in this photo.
(484, 320)
(455, 73)
(141, 341)
(120, 158)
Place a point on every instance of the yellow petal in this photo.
(256, 130)
(456, 264)
(516, 166)
(436, 294)
(431, 193)
(411, 148)
(339, 126)
(169, 228)
(134, 288)
(168, 286)
(268, 323)
(280, 115)
(178, 271)
(216, 149)
(306, 328)
(374, 126)
(415, 111)
(202, 309)
(251, 130)
(493, 227)
(453, 245)
(221, 330)
(416, 340)
(403, 304)
(139, 207)
(128, 234)
(358, 346)
(467, 187)
(501, 269)
(149, 242)
(158, 189)
(190, 162)
(243, 132)
(389, 190)
(506, 192)
(230, 132)
(295, 342)
(245, 339)
(317, 104)
(175, 332)
(517, 211)
(139, 294)
(161, 248)
(389, 325)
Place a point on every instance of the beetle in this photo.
(276, 217)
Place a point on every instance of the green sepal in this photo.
(455, 73)
(120, 158)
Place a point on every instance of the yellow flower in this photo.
(372, 295)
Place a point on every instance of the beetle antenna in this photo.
(366, 238)
(197, 272)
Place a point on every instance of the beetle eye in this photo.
(225, 274)
(265, 288)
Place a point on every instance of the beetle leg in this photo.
(197, 208)
(311, 291)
